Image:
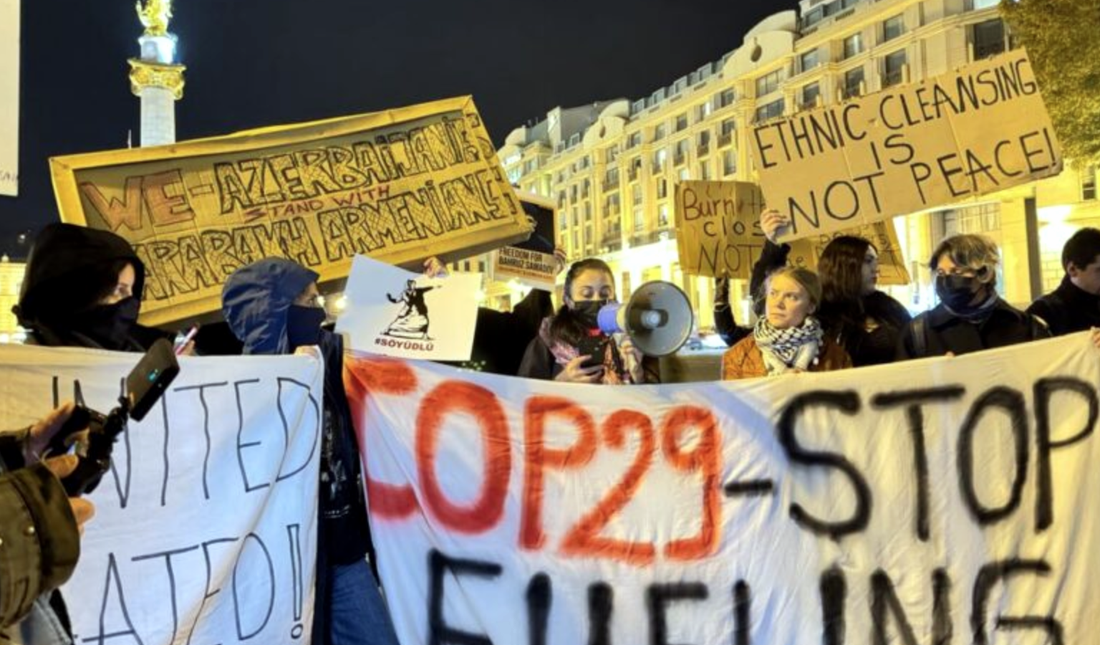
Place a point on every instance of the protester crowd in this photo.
(83, 288)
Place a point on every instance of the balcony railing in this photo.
(725, 139)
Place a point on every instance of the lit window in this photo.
(853, 45)
(893, 27)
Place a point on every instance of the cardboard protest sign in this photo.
(532, 262)
(401, 185)
(900, 503)
(206, 526)
(909, 148)
(9, 97)
(394, 312)
(718, 234)
(891, 264)
(718, 230)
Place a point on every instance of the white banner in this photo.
(394, 312)
(205, 529)
(936, 501)
(9, 97)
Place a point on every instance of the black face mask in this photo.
(110, 325)
(588, 311)
(303, 325)
(957, 291)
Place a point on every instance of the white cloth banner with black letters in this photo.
(205, 528)
(934, 501)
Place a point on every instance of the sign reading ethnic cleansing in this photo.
(399, 186)
(909, 148)
(718, 234)
(913, 503)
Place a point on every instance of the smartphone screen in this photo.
(594, 347)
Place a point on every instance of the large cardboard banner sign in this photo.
(909, 148)
(718, 234)
(400, 186)
(936, 501)
(205, 528)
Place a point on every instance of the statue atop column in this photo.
(154, 16)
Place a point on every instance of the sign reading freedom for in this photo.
(205, 527)
(936, 501)
(532, 262)
(718, 234)
(909, 148)
(399, 186)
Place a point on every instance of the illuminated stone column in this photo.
(155, 77)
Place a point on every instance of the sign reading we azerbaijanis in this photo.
(400, 186)
(718, 234)
(912, 503)
(909, 148)
(206, 525)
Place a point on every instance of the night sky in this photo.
(253, 63)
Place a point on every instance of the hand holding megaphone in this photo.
(657, 319)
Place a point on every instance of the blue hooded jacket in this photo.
(256, 299)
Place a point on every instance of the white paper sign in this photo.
(947, 500)
(393, 312)
(205, 530)
(9, 97)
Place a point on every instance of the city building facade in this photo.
(11, 281)
(612, 167)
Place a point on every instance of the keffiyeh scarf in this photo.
(788, 349)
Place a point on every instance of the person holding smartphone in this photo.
(570, 346)
(40, 529)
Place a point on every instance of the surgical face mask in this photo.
(303, 325)
(588, 311)
(957, 291)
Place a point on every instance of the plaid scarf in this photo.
(790, 348)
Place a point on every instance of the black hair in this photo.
(841, 270)
(1082, 248)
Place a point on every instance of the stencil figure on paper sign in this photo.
(413, 321)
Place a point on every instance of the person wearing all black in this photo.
(83, 288)
(501, 337)
(861, 319)
(724, 322)
(273, 307)
(971, 316)
(1075, 305)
